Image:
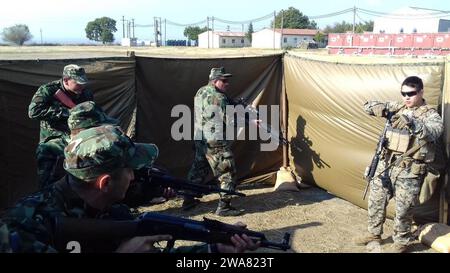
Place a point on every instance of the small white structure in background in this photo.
(143, 43)
(412, 20)
(282, 38)
(224, 39)
(129, 42)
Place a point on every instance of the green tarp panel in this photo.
(163, 83)
(149, 87)
(113, 84)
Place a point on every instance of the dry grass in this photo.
(68, 52)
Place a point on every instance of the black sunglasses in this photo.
(409, 94)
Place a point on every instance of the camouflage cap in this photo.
(87, 115)
(102, 150)
(75, 72)
(217, 73)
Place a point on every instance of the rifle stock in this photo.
(64, 99)
(207, 231)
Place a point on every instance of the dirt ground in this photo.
(318, 221)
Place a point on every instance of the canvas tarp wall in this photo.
(163, 83)
(326, 117)
(112, 81)
(324, 101)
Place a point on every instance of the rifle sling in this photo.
(411, 151)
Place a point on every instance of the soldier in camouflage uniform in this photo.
(414, 131)
(87, 115)
(53, 114)
(100, 163)
(212, 151)
(50, 154)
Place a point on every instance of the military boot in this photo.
(367, 238)
(189, 203)
(397, 248)
(225, 209)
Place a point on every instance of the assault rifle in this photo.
(207, 231)
(371, 169)
(268, 128)
(155, 177)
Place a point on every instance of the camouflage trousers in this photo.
(217, 158)
(400, 183)
(50, 157)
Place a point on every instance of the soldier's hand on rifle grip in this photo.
(241, 243)
(144, 244)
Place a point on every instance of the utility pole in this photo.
(212, 37)
(41, 35)
(274, 17)
(123, 26)
(160, 32)
(127, 34)
(165, 32)
(156, 30)
(354, 18)
(132, 20)
(207, 28)
(282, 25)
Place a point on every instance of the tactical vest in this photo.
(401, 140)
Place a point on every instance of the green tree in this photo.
(319, 37)
(249, 32)
(345, 26)
(293, 18)
(17, 34)
(366, 26)
(101, 30)
(192, 32)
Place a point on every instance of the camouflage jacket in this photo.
(210, 115)
(51, 112)
(427, 123)
(28, 226)
(424, 131)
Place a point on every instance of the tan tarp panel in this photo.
(163, 83)
(112, 81)
(326, 117)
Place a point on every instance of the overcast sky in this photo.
(65, 21)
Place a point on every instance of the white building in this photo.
(282, 38)
(412, 20)
(222, 39)
(129, 42)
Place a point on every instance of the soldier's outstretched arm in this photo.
(380, 109)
